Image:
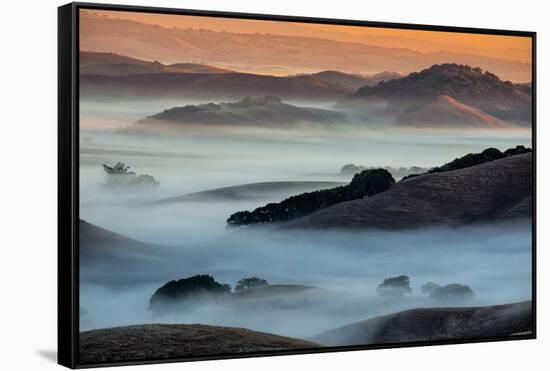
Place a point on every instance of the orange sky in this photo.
(505, 47)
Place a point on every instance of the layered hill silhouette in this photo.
(268, 111)
(127, 75)
(354, 82)
(435, 324)
(162, 341)
(113, 64)
(270, 53)
(201, 85)
(447, 95)
(493, 191)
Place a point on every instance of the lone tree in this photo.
(176, 292)
(248, 283)
(429, 288)
(118, 168)
(395, 287)
(453, 291)
(118, 176)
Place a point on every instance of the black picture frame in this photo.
(68, 177)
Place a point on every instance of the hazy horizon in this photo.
(257, 46)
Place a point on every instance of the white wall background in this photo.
(28, 183)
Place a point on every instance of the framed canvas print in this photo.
(241, 185)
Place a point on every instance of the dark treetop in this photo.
(364, 184)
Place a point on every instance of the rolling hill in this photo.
(433, 324)
(102, 71)
(376, 78)
(162, 341)
(489, 192)
(194, 68)
(249, 191)
(230, 85)
(347, 81)
(112, 64)
(354, 82)
(98, 243)
(447, 95)
(266, 111)
(444, 111)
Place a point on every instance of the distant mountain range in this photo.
(112, 64)
(447, 95)
(354, 82)
(115, 75)
(270, 53)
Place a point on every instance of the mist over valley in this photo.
(279, 201)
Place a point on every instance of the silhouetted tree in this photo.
(518, 150)
(430, 287)
(247, 283)
(118, 168)
(472, 159)
(178, 291)
(395, 286)
(452, 291)
(119, 176)
(364, 184)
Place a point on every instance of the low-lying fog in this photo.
(204, 160)
(494, 261)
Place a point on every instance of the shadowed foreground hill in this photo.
(493, 191)
(435, 324)
(161, 341)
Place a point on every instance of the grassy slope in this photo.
(431, 324)
(488, 192)
(161, 341)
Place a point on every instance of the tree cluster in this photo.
(251, 282)
(452, 291)
(185, 288)
(472, 159)
(195, 288)
(397, 287)
(119, 176)
(396, 172)
(364, 184)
